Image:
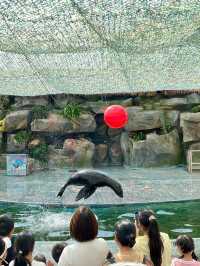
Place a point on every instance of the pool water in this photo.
(52, 224)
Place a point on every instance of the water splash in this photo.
(182, 230)
(162, 212)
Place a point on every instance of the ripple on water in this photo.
(126, 215)
(163, 212)
(182, 230)
(106, 234)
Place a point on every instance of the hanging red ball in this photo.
(115, 116)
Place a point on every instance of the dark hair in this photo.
(24, 244)
(2, 246)
(125, 232)
(83, 225)
(57, 251)
(186, 245)
(40, 257)
(6, 225)
(149, 222)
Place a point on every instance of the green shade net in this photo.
(98, 46)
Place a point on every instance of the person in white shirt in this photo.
(88, 250)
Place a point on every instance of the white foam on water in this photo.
(182, 230)
(162, 212)
(46, 222)
(103, 233)
(126, 215)
(188, 225)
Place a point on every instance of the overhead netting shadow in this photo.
(98, 46)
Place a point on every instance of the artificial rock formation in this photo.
(17, 120)
(57, 124)
(156, 150)
(13, 146)
(190, 124)
(79, 151)
(142, 120)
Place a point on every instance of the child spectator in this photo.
(6, 232)
(40, 258)
(24, 246)
(57, 251)
(125, 235)
(185, 246)
(3, 252)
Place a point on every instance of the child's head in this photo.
(41, 258)
(6, 226)
(24, 245)
(57, 251)
(185, 245)
(3, 251)
(125, 233)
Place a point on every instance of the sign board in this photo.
(17, 164)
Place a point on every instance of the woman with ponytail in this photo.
(185, 246)
(3, 252)
(155, 245)
(24, 245)
(125, 234)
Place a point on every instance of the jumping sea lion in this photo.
(91, 180)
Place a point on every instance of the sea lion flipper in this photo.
(60, 193)
(85, 192)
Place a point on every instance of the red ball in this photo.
(115, 116)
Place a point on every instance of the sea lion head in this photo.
(118, 189)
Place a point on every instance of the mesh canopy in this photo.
(98, 46)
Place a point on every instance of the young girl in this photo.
(125, 234)
(3, 252)
(154, 244)
(24, 245)
(185, 246)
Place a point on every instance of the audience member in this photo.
(153, 244)
(24, 246)
(6, 232)
(57, 251)
(3, 252)
(88, 249)
(40, 258)
(125, 235)
(185, 246)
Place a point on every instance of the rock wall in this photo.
(69, 131)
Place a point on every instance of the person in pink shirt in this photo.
(185, 246)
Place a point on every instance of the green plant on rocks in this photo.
(23, 137)
(40, 152)
(71, 111)
(4, 102)
(138, 136)
(40, 112)
(196, 109)
(167, 125)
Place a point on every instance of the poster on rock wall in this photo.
(17, 164)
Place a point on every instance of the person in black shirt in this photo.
(6, 232)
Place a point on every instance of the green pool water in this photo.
(53, 223)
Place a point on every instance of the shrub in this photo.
(40, 152)
(196, 109)
(137, 136)
(71, 111)
(40, 112)
(22, 137)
